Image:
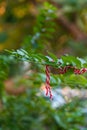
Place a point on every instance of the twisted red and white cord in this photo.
(61, 70)
(80, 71)
(48, 88)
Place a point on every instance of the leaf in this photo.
(82, 61)
(76, 80)
(85, 65)
(58, 121)
(52, 56)
(49, 58)
(71, 60)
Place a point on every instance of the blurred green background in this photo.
(58, 26)
(18, 20)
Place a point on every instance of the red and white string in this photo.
(61, 70)
(48, 88)
(80, 71)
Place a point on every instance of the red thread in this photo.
(48, 88)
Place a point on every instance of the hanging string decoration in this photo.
(52, 60)
(61, 70)
(48, 88)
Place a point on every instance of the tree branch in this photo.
(72, 28)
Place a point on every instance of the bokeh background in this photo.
(58, 26)
(18, 18)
